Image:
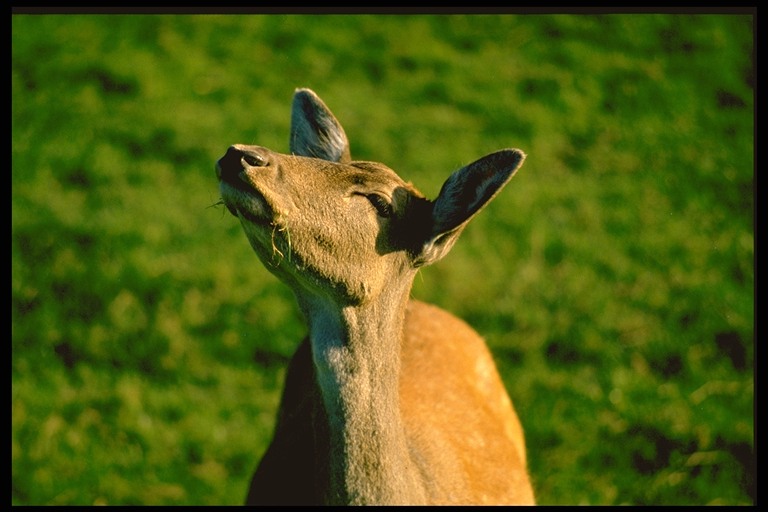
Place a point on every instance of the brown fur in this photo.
(388, 400)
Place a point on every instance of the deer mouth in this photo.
(241, 198)
(238, 190)
(244, 201)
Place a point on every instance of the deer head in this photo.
(327, 224)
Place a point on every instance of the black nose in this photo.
(237, 158)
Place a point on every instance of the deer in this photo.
(388, 400)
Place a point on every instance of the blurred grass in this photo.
(613, 278)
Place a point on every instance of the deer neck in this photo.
(356, 352)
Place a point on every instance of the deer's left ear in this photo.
(315, 131)
(464, 194)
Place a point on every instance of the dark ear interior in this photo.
(463, 195)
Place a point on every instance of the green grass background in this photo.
(613, 278)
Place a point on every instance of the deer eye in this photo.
(383, 207)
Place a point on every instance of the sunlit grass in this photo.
(613, 277)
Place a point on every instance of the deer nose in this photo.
(237, 159)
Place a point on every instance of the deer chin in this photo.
(246, 204)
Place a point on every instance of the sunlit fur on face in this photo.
(316, 223)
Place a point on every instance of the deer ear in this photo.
(315, 131)
(464, 194)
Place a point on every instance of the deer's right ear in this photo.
(315, 131)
